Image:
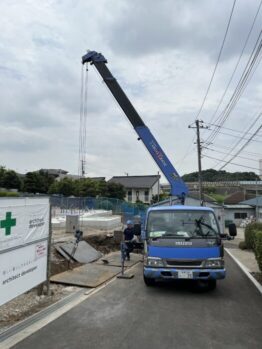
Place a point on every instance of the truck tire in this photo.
(149, 281)
(212, 284)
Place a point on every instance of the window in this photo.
(240, 215)
(182, 224)
(129, 195)
(146, 195)
(137, 195)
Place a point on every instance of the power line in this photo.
(242, 138)
(233, 130)
(218, 59)
(226, 147)
(241, 157)
(232, 163)
(235, 136)
(243, 82)
(243, 146)
(238, 61)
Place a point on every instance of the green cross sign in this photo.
(8, 223)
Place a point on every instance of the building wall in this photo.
(259, 214)
(232, 213)
(138, 194)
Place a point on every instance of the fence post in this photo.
(49, 251)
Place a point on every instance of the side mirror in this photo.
(232, 229)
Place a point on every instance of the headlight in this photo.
(214, 263)
(154, 262)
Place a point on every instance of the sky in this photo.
(163, 54)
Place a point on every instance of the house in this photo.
(76, 177)
(237, 213)
(139, 188)
(53, 172)
(256, 204)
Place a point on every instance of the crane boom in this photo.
(178, 187)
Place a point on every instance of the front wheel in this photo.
(212, 284)
(149, 281)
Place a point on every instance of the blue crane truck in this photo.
(180, 242)
(183, 242)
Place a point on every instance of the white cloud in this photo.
(162, 53)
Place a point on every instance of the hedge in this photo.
(8, 194)
(258, 248)
(242, 245)
(250, 232)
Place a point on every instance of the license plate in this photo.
(185, 274)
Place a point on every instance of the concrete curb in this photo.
(246, 271)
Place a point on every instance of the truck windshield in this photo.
(182, 224)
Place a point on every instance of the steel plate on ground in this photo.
(84, 253)
(114, 259)
(62, 252)
(88, 275)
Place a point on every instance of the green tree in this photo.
(34, 183)
(66, 187)
(116, 190)
(212, 175)
(11, 180)
(2, 172)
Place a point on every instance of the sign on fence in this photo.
(24, 233)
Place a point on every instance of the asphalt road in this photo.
(127, 314)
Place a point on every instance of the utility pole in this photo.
(198, 126)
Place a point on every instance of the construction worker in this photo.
(128, 237)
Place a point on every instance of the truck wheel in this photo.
(148, 281)
(212, 284)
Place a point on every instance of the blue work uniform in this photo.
(129, 234)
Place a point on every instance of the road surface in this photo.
(127, 314)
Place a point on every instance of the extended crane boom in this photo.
(178, 187)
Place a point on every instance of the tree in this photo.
(2, 172)
(34, 183)
(116, 190)
(66, 187)
(212, 175)
(11, 180)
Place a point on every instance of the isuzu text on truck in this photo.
(181, 242)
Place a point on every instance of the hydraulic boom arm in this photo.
(178, 187)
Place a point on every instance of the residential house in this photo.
(256, 204)
(139, 188)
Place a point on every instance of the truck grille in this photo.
(181, 263)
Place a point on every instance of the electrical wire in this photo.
(243, 146)
(239, 88)
(218, 59)
(233, 130)
(226, 147)
(240, 157)
(232, 163)
(237, 64)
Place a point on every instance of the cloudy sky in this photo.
(163, 53)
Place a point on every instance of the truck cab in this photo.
(183, 242)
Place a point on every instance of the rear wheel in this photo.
(149, 281)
